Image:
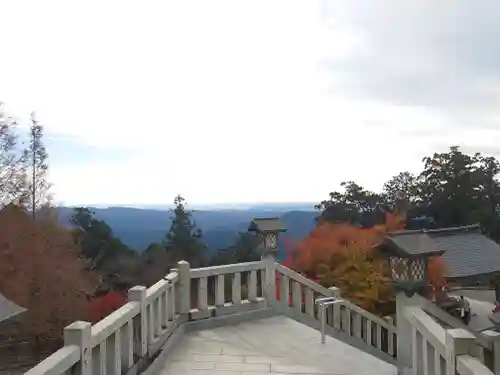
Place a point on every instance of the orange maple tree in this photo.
(345, 256)
(42, 271)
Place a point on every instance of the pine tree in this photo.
(39, 186)
(183, 239)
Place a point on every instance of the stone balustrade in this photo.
(439, 351)
(212, 281)
(363, 329)
(126, 341)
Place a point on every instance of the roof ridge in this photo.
(461, 229)
(405, 232)
(266, 218)
(451, 230)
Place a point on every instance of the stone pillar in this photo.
(458, 342)
(138, 294)
(79, 334)
(269, 282)
(335, 291)
(493, 337)
(268, 229)
(183, 289)
(404, 334)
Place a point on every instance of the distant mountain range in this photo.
(252, 206)
(138, 227)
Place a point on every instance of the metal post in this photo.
(322, 309)
(323, 303)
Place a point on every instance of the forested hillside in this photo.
(138, 228)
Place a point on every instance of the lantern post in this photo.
(408, 254)
(408, 265)
(267, 230)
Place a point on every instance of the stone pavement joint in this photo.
(276, 345)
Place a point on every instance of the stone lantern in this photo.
(268, 230)
(408, 262)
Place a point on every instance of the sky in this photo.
(229, 101)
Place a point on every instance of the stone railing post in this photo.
(138, 294)
(79, 333)
(494, 338)
(337, 317)
(269, 283)
(268, 230)
(183, 289)
(390, 335)
(404, 334)
(335, 291)
(458, 342)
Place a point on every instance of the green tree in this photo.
(489, 198)
(453, 189)
(119, 266)
(98, 243)
(401, 192)
(183, 240)
(354, 205)
(244, 249)
(38, 156)
(153, 252)
(13, 162)
(447, 187)
(459, 189)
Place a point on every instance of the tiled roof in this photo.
(413, 243)
(9, 309)
(268, 224)
(466, 251)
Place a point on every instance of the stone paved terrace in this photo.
(268, 322)
(270, 345)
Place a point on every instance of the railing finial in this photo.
(79, 334)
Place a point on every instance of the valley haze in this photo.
(306, 206)
(140, 225)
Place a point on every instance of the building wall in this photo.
(478, 280)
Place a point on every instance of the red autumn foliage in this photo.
(104, 305)
(436, 273)
(42, 271)
(343, 255)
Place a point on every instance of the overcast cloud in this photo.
(442, 55)
(249, 100)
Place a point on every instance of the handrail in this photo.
(441, 315)
(58, 362)
(452, 347)
(327, 292)
(348, 318)
(225, 269)
(302, 280)
(430, 329)
(468, 365)
(114, 321)
(156, 289)
(172, 277)
(216, 277)
(374, 318)
(323, 303)
(155, 306)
